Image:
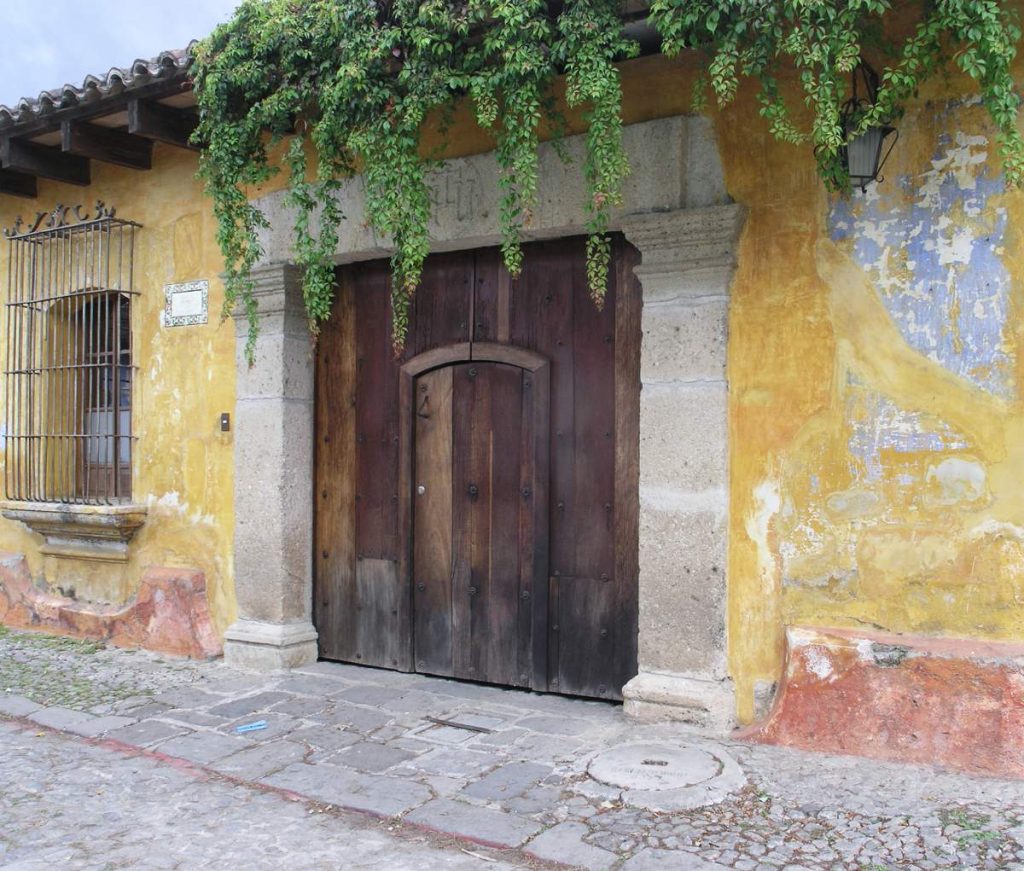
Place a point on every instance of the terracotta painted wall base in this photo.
(956, 703)
(170, 613)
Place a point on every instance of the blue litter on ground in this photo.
(252, 727)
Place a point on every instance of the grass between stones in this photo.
(56, 670)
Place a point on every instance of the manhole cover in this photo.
(665, 777)
(654, 767)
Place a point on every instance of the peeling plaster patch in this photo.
(959, 480)
(818, 663)
(767, 501)
(853, 503)
(932, 248)
(997, 528)
(168, 500)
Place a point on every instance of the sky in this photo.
(45, 44)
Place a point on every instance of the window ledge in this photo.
(91, 532)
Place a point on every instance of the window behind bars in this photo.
(69, 364)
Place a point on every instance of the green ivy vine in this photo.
(353, 82)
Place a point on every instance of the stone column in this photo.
(687, 265)
(273, 448)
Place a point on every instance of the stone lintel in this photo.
(256, 645)
(704, 703)
(465, 193)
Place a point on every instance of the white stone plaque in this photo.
(186, 304)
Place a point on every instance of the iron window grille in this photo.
(69, 365)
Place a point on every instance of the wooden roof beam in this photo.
(41, 160)
(17, 184)
(161, 123)
(105, 144)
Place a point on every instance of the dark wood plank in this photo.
(593, 429)
(628, 336)
(462, 533)
(505, 635)
(376, 416)
(478, 381)
(432, 522)
(43, 161)
(404, 532)
(542, 320)
(588, 624)
(17, 184)
(335, 605)
(533, 539)
(485, 295)
(442, 307)
(378, 639)
(492, 299)
(160, 123)
(107, 145)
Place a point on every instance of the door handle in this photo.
(421, 489)
(474, 491)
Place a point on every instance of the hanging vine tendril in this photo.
(353, 82)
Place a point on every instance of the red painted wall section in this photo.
(956, 703)
(170, 613)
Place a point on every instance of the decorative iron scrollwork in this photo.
(60, 216)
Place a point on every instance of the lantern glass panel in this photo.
(863, 153)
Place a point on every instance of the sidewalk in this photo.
(543, 777)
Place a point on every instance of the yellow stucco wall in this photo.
(876, 425)
(186, 378)
(875, 362)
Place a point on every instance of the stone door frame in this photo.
(679, 216)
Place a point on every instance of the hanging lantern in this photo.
(864, 155)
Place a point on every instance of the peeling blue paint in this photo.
(932, 247)
(880, 425)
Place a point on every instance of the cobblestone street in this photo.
(69, 805)
(153, 771)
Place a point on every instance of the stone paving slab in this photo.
(63, 719)
(256, 763)
(508, 781)
(247, 705)
(99, 725)
(564, 844)
(202, 747)
(323, 737)
(363, 719)
(371, 756)
(147, 733)
(16, 706)
(351, 789)
(480, 824)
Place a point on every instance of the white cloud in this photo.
(46, 45)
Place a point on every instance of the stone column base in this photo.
(708, 705)
(257, 646)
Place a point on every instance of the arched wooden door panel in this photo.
(546, 431)
(478, 522)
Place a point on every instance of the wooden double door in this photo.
(477, 496)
